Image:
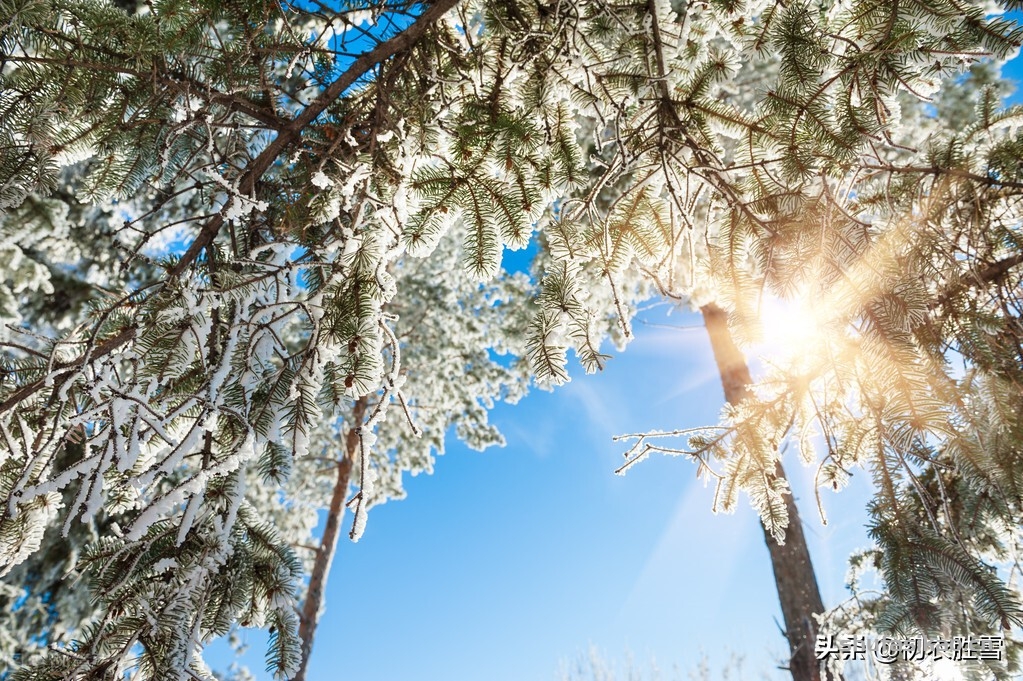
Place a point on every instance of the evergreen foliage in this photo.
(224, 223)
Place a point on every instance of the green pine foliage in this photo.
(227, 224)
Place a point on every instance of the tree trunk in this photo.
(793, 572)
(310, 616)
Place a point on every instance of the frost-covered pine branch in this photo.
(255, 217)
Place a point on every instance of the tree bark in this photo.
(793, 572)
(313, 604)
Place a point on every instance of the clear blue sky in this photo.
(505, 565)
(502, 564)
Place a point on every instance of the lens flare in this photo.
(790, 329)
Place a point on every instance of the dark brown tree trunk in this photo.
(793, 572)
(310, 616)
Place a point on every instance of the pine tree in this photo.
(232, 200)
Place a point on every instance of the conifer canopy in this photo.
(233, 233)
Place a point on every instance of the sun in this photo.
(790, 328)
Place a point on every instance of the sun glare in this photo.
(789, 328)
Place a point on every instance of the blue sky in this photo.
(505, 564)
(508, 564)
